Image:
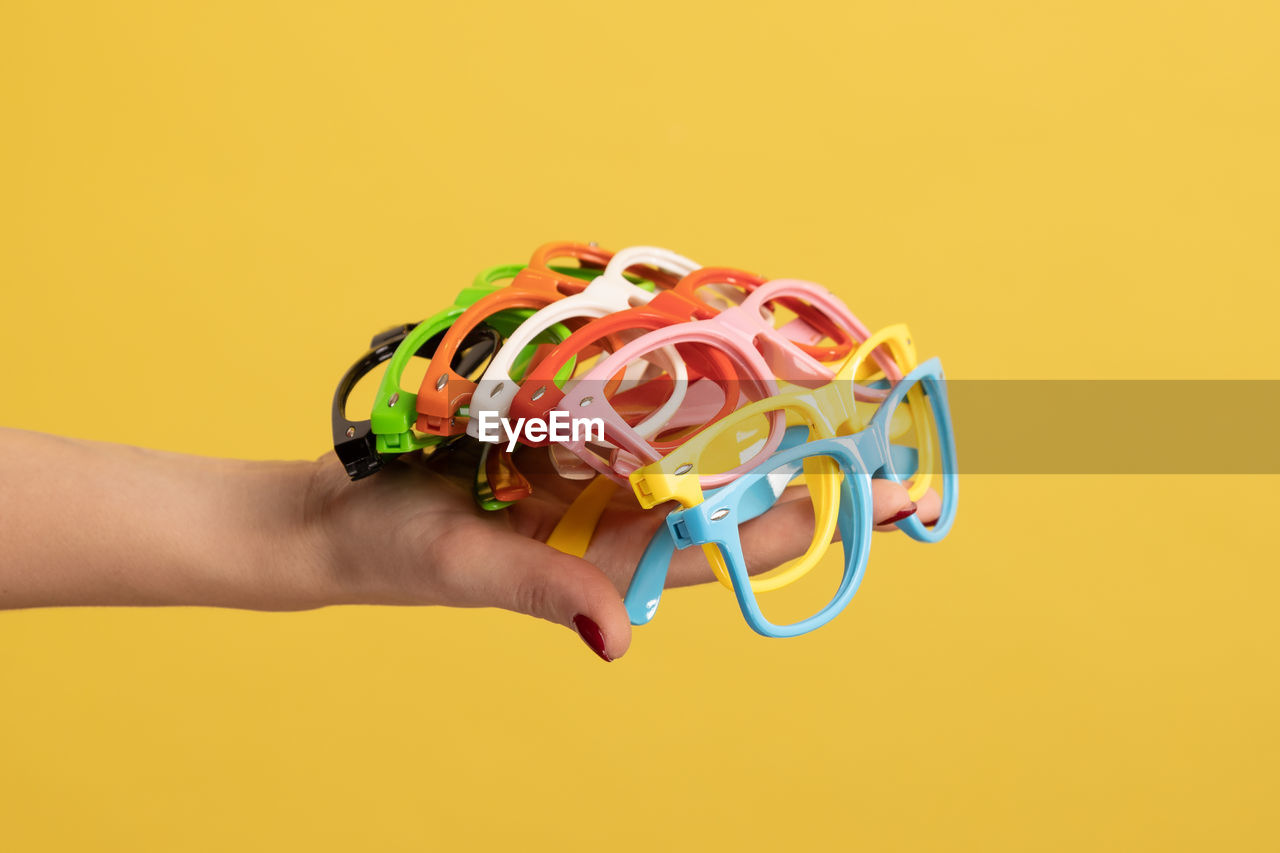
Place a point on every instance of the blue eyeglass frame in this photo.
(861, 456)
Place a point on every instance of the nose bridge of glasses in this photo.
(801, 331)
(656, 257)
(676, 306)
(740, 280)
(745, 323)
(490, 280)
(834, 403)
(583, 253)
(486, 282)
(612, 292)
(790, 362)
(870, 446)
(546, 281)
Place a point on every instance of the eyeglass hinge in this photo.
(680, 532)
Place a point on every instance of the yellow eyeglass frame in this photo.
(828, 411)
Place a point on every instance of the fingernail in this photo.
(901, 514)
(591, 635)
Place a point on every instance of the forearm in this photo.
(90, 523)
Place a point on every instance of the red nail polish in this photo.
(901, 514)
(591, 634)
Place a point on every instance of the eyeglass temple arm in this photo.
(353, 441)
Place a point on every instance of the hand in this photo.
(91, 523)
(413, 535)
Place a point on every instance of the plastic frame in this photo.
(444, 392)
(757, 351)
(608, 294)
(497, 483)
(541, 392)
(715, 522)
(355, 442)
(826, 412)
(395, 409)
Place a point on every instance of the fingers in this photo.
(781, 534)
(502, 569)
(890, 503)
(930, 507)
(786, 531)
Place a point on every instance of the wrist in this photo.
(305, 546)
(365, 542)
(274, 554)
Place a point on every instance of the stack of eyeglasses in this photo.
(734, 396)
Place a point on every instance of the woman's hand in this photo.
(413, 535)
(90, 523)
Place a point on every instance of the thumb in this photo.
(526, 576)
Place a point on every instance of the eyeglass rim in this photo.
(850, 450)
(854, 528)
(647, 480)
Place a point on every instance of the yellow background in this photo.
(206, 209)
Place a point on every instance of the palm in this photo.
(622, 532)
(624, 529)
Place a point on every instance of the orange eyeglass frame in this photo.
(443, 392)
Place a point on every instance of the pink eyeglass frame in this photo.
(758, 350)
